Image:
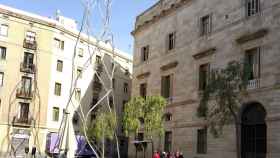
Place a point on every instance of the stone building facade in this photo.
(176, 42)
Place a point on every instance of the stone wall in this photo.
(230, 24)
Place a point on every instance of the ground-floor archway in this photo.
(253, 131)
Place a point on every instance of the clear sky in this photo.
(124, 13)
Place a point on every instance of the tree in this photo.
(103, 127)
(147, 113)
(222, 97)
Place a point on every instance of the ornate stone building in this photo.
(177, 42)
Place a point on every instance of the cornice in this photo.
(169, 66)
(143, 75)
(162, 14)
(252, 36)
(204, 53)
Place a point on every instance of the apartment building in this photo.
(37, 59)
(176, 44)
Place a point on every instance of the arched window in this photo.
(253, 132)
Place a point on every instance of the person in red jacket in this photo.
(156, 155)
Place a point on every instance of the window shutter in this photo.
(167, 43)
(62, 45)
(171, 86)
(200, 26)
(162, 86)
(142, 54)
(208, 74)
(210, 23)
(147, 52)
(167, 86)
(174, 41)
(257, 63)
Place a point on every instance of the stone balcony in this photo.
(253, 84)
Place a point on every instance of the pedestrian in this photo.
(156, 154)
(163, 155)
(181, 155)
(177, 154)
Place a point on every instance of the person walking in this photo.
(181, 155)
(177, 154)
(156, 155)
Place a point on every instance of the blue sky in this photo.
(124, 13)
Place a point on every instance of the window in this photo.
(55, 114)
(78, 94)
(168, 117)
(98, 59)
(143, 90)
(126, 72)
(252, 61)
(171, 41)
(123, 107)
(3, 51)
(59, 65)
(125, 87)
(57, 89)
(30, 37)
(26, 85)
(24, 110)
(58, 44)
(79, 72)
(140, 137)
(1, 78)
(168, 141)
(252, 7)
(166, 82)
(205, 25)
(113, 83)
(203, 76)
(145, 53)
(111, 101)
(81, 52)
(4, 30)
(202, 141)
(28, 59)
(112, 65)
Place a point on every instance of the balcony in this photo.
(253, 84)
(24, 93)
(28, 68)
(98, 67)
(22, 121)
(29, 44)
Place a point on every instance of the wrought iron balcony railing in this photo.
(22, 120)
(30, 44)
(28, 68)
(24, 93)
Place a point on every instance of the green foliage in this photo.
(103, 126)
(151, 110)
(220, 100)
